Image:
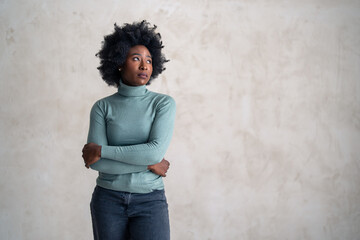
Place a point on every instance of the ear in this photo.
(121, 67)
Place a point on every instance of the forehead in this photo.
(139, 49)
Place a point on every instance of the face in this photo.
(137, 68)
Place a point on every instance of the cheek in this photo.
(130, 68)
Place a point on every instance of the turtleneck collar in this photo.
(131, 91)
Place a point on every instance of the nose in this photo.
(143, 66)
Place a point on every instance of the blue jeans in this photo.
(129, 216)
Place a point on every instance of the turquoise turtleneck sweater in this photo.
(134, 127)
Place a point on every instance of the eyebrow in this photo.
(139, 55)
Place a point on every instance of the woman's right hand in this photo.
(91, 153)
(160, 168)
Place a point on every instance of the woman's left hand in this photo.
(91, 153)
(160, 168)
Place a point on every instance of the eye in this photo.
(136, 59)
(149, 61)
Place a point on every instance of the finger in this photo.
(89, 161)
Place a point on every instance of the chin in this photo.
(143, 82)
(137, 82)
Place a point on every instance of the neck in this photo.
(131, 91)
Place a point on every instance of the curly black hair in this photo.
(116, 46)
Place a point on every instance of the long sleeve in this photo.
(97, 134)
(153, 151)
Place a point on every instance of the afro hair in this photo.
(116, 46)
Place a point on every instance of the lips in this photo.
(142, 75)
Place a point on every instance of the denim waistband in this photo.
(128, 198)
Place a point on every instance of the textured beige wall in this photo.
(267, 138)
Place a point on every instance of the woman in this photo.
(129, 134)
